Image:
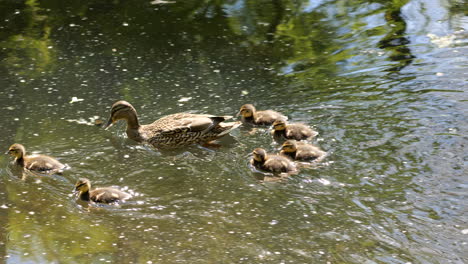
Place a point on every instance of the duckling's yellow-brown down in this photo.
(99, 195)
(296, 131)
(271, 163)
(173, 130)
(266, 117)
(299, 150)
(36, 163)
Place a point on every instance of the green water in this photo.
(382, 81)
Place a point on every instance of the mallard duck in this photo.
(295, 131)
(172, 130)
(100, 195)
(271, 162)
(35, 163)
(299, 150)
(265, 117)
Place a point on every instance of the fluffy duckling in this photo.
(299, 150)
(35, 163)
(271, 163)
(295, 131)
(100, 195)
(265, 117)
(172, 130)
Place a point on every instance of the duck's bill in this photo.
(238, 114)
(108, 124)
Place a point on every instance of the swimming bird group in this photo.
(182, 129)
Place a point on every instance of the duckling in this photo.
(172, 130)
(271, 163)
(100, 195)
(299, 150)
(295, 131)
(265, 117)
(35, 163)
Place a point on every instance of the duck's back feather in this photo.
(276, 163)
(299, 132)
(42, 163)
(108, 195)
(185, 128)
(309, 152)
(268, 117)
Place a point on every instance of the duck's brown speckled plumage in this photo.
(297, 131)
(266, 117)
(271, 162)
(36, 163)
(299, 150)
(99, 195)
(172, 130)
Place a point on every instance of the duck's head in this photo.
(16, 150)
(259, 154)
(289, 146)
(82, 185)
(247, 110)
(279, 125)
(120, 110)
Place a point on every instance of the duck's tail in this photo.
(224, 128)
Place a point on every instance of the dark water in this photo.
(382, 81)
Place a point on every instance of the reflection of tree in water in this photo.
(274, 36)
(295, 42)
(25, 39)
(395, 41)
(41, 222)
(459, 7)
(278, 30)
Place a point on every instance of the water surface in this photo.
(382, 81)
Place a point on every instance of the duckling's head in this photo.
(259, 154)
(247, 110)
(16, 150)
(279, 125)
(82, 185)
(120, 110)
(289, 146)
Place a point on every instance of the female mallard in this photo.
(295, 131)
(99, 195)
(172, 130)
(266, 117)
(299, 150)
(35, 163)
(271, 163)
